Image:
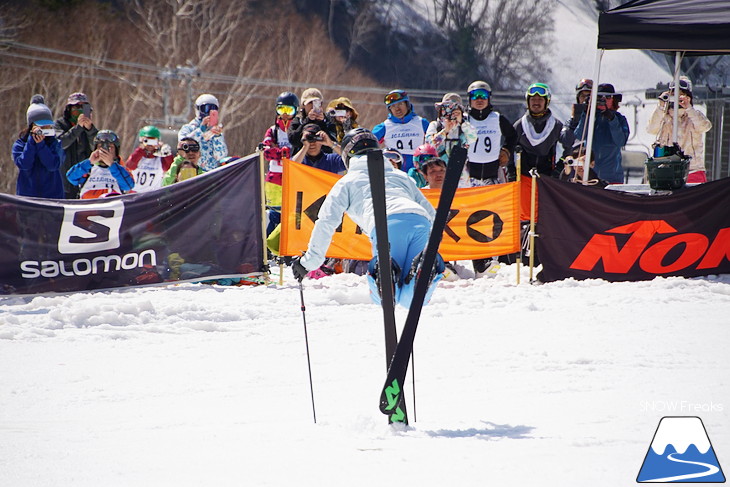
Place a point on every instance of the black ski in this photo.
(391, 398)
(376, 172)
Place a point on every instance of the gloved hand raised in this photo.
(299, 271)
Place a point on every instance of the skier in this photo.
(410, 216)
(496, 138)
(102, 174)
(207, 130)
(147, 162)
(423, 153)
(277, 146)
(538, 132)
(450, 129)
(403, 130)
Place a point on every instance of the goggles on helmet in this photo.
(584, 84)
(684, 84)
(480, 94)
(537, 90)
(395, 97)
(420, 160)
(393, 156)
(285, 110)
(185, 147)
(205, 108)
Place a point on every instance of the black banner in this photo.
(202, 228)
(586, 232)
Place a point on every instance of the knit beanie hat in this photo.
(38, 112)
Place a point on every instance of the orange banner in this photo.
(483, 222)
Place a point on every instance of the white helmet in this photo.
(201, 101)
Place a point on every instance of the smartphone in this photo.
(187, 173)
(86, 109)
(213, 118)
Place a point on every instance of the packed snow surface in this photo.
(559, 384)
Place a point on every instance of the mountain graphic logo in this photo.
(681, 452)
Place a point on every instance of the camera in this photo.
(336, 113)
(312, 137)
(38, 132)
(664, 97)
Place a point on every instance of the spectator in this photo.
(38, 154)
(311, 112)
(690, 130)
(538, 131)
(277, 146)
(311, 153)
(147, 162)
(76, 131)
(403, 130)
(574, 166)
(343, 113)
(434, 171)
(610, 134)
(102, 174)
(186, 164)
(207, 129)
(582, 97)
(450, 130)
(423, 153)
(495, 142)
(410, 216)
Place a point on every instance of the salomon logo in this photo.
(90, 228)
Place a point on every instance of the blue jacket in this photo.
(327, 162)
(39, 167)
(609, 137)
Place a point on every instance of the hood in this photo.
(360, 163)
(345, 102)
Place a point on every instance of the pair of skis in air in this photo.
(398, 352)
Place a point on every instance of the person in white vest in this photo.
(147, 162)
(539, 132)
(403, 130)
(496, 138)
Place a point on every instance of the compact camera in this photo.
(336, 113)
(312, 137)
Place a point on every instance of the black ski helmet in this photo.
(358, 141)
(105, 138)
(287, 98)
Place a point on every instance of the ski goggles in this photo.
(207, 107)
(285, 110)
(420, 160)
(683, 85)
(538, 91)
(480, 94)
(189, 148)
(394, 157)
(584, 84)
(395, 97)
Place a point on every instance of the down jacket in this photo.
(690, 133)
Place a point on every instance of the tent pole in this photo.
(675, 122)
(592, 111)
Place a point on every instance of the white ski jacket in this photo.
(351, 195)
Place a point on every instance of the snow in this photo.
(554, 384)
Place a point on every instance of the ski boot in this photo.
(405, 296)
(374, 278)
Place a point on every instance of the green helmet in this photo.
(150, 131)
(539, 89)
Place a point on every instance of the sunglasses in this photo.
(537, 91)
(584, 84)
(480, 94)
(189, 148)
(285, 110)
(395, 96)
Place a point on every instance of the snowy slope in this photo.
(560, 384)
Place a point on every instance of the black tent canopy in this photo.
(690, 26)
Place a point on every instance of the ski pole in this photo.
(413, 382)
(306, 342)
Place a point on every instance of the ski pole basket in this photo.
(668, 169)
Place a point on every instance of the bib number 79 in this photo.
(487, 144)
